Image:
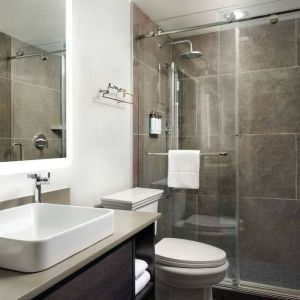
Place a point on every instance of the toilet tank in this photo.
(150, 207)
(136, 199)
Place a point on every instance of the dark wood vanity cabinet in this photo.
(111, 276)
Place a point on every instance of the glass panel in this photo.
(269, 90)
(206, 114)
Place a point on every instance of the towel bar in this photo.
(201, 154)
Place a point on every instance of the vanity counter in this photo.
(16, 285)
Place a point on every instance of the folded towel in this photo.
(183, 169)
(140, 267)
(142, 281)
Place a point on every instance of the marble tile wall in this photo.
(30, 101)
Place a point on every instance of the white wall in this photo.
(102, 133)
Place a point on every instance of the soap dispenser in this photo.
(152, 122)
(159, 124)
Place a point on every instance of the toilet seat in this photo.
(191, 278)
(182, 253)
(189, 264)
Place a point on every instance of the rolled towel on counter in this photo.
(140, 267)
(183, 169)
(142, 281)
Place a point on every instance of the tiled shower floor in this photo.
(279, 275)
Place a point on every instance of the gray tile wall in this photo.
(5, 102)
(268, 87)
(36, 96)
(269, 114)
(151, 88)
(30, 95)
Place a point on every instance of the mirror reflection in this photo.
(32, 80)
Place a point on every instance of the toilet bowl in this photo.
(184, 269)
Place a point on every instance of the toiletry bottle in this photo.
(156, 122)
(152, 120)
(159, 124)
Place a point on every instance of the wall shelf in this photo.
(115, 93)
(58, 128)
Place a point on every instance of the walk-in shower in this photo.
(241, 98)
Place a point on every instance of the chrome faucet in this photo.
(39, 181)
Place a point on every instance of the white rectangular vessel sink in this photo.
(36, 236)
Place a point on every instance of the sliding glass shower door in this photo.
(205, 103)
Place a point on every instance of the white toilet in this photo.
(184, 269)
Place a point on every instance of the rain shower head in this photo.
(191, 54)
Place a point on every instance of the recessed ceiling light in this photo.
(239, 14)
(236, 15)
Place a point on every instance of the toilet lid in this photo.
(132, 198)
(188, 254)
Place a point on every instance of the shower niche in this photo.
(32, 80)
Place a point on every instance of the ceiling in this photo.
(33, 21)
(174, 14)
(163, 9)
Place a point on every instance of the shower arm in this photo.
(178, 42)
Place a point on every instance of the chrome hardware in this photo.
(39, 181)
(273, 19)
(112, 92)
(201, 154)
(40, 141)
(168, 131)
(20, 54)
(230, 19)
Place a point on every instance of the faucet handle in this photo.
(39, 179)
(45, 180)
(32, 176)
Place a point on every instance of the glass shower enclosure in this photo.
(238, 103)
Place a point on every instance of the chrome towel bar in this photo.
(201, 154)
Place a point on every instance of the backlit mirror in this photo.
(32, 80)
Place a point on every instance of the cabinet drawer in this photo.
(107, 278)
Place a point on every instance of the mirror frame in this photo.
(15, 167)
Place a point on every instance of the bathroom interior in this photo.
(149, 149)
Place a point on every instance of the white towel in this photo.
(142, 281)
(183, 169)
(140, 267)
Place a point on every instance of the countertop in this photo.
(16, 285)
